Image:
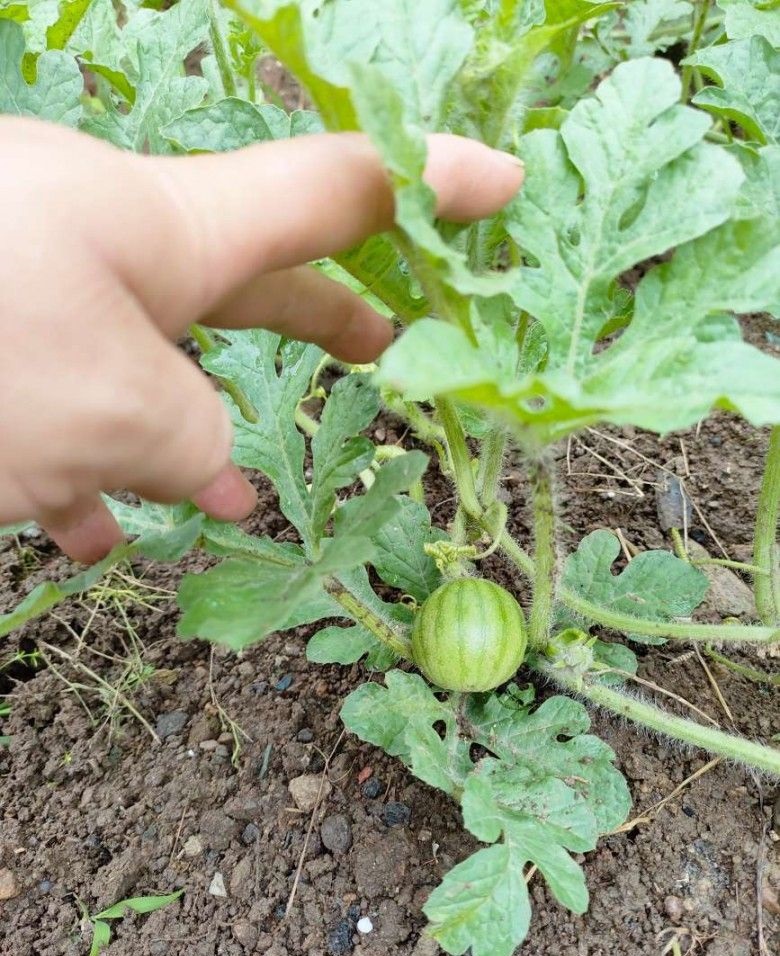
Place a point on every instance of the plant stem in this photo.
(519, 557)
(674, 630)
(460, 458)
(726, 563)
(628, 624)
(306, 423)
(207, 343)
(544, 554)
(759, 677)
(358, 611)
(688, 731)
(220, 51)
(699, 22)
(490, 461)
(422, 426)
(679, 549)
(765, 555)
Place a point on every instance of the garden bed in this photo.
(90, 817)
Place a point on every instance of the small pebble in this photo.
(372, 788)
(170, 724)
(336, 833)
(193, 846)
(258, 688)
(305, 736)
(365, 925)
(396, 814)
(769, 900)
(246, 934)
(306, 789)
(208, 745)
(673, 909)
(284, 683)
(46, 886)
(251, 834)
(9, 888)
(340, 938)
(217, 886)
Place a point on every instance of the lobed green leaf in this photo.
(655, 585)
(52, 93)
(546, 788)
(399, 556)
(749, 73)
(156, 45)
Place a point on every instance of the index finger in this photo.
(276, 205)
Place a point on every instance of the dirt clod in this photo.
(251, 834)
(673, 908)
(246, 934)
(217, 829)
(372, 788)
(728, 595)
(170, 724)
(245, 808)
(396, 814)
(117, 880)
(336, 833)
(193, 846)
(241, 881)
(340, 938)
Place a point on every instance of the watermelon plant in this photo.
(649, 133)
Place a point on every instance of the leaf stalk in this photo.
(688, 731)
(220, 51)
(544, 553)
(765, 555)
(460, 458)
(398, 643)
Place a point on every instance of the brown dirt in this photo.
(94, 813)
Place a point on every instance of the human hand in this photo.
(108, 257)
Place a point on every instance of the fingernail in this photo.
(509, 158)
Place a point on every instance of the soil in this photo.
(94, 810)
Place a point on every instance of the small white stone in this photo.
(193, 846)
(365, 925)
(217, 887)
